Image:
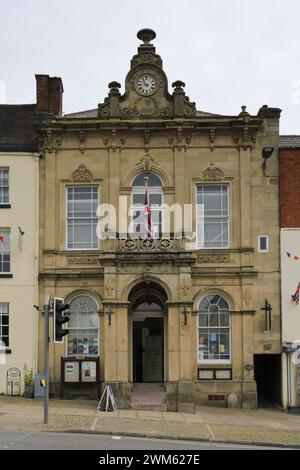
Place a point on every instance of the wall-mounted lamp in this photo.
(109, 312)
(268, 315)
(185, 313)
(266, 154)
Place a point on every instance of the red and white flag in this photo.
(147, 214)
(296, 296)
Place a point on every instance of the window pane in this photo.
(138, 199)
(4, 324)
(213, 319)
(203, 344)
(213, 298)
(213, 344)
(212, 217)
(203, 319)
(153, 180)
(4, 251)
(81, 217)
(155, 199)
(5, 320)
(4, 189)
(214, 329)
(224, 319)
(83, 327)
(224, 346)
(204, 303)
(223, 304)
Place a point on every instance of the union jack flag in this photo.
(296, 296)
(147, 214)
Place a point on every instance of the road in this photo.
(64, 441)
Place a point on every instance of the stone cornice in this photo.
(206, 123)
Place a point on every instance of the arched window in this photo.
(83, 338)
(214, 330)
(155, 192)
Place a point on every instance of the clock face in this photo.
(146, 85)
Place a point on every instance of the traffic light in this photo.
(59, 320)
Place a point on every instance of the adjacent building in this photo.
(19, 199)
(289, 159)
(198, 312)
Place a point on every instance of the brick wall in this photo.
(49, 94)
(289, 171)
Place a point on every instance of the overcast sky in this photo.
(228, 52)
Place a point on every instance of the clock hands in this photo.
(146, 84)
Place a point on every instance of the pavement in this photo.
(266, 427)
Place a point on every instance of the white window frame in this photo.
(2, 231)
(2, 203)
(200, 217)
(267, 243)
(76, 329)
(141, 207)
(215, 361)
(1, 326)
(66, 214)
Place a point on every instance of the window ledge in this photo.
(6, 276)
(5, 206)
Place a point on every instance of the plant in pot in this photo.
(29, 387)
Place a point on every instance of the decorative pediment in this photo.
(82, 174)
(146, 89)
(212, 173)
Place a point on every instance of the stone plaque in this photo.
(81, 260)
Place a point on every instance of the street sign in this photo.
(107, 401)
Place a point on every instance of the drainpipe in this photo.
(288, 370)
(288, 349)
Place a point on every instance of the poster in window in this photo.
(71, 372)
(88, 371)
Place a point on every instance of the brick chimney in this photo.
(49, 92)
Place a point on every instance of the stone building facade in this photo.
(289, 168)
(183, 311)
(19, 199)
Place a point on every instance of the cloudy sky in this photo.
(229, 52)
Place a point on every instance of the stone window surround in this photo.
(61, 212)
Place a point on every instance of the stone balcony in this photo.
(139, 245)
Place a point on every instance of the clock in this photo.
(146, 85)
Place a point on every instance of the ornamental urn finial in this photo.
(146, 35)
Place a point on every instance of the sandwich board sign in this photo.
(107, 401)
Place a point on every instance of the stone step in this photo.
(148, 407)
(150, 397)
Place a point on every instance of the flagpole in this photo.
(146, 179)
(147, 211)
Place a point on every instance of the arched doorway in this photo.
(148, 331)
